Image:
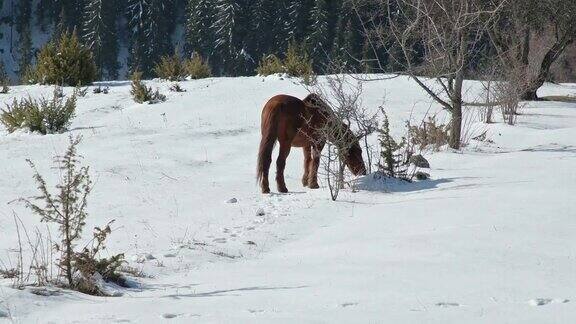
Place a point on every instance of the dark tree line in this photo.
(232, 34)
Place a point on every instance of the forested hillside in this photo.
(233, 35)
(134, 34)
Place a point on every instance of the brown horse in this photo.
(299, 123)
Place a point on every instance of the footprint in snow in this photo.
(446, 305)
(343, 305)
(220, 240)
(256, 311)
(546, 301)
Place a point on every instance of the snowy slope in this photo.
(491, 238)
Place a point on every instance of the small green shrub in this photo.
(197, 68)
(142, 93)
(170, 68)
(64, 61)
(67, 207)
(394, 155)
(298, 64)
(4, 87)
(42, 115)
(29, 75)
(270, 64)
(176, 88)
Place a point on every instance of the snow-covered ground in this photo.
(491, 238)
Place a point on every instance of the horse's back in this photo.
(286, 103)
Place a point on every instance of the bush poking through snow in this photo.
(4, 88)
(270, 64)
(42, 115)
(100, 89)
(64, 61)
(297, 63)
(67, 209)
(91, 268)
(394, 156)
(197, 68)
(397, 158)
(177, 88)
(142, 93)
(429, 134)
(170, 68)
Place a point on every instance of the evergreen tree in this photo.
(23, 22)
(151, 23)
(232, 52)
(100, 35)
(200, 28)
(298, 18)
(319, 38)
(66, 14)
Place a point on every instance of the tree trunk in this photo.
(456, 121)
(551, 56)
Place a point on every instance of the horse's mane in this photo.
(314, 101)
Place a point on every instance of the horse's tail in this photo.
(269, 129)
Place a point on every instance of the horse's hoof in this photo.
(283, 190)
(266, 190)
(314, 186)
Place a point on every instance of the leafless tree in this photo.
(342, 94)
(448, 32)
(530, 35)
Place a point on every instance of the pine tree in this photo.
(231, 27)
(298, 19)
(319, 38)
(200, 28)
(23, 22)
(66, 15)
(151, 23)
(100, 36)
(349, 39)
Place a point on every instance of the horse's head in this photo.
(354, 160)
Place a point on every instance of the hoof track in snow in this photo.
(256, 311)
(546, 301)
(349, 304)
(446, 305)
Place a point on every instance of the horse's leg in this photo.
(281, 164)
(307, 163)
(265, 185)
(315, 164)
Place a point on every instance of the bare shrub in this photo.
(428, 134)
(344, 112)
(448, 32)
